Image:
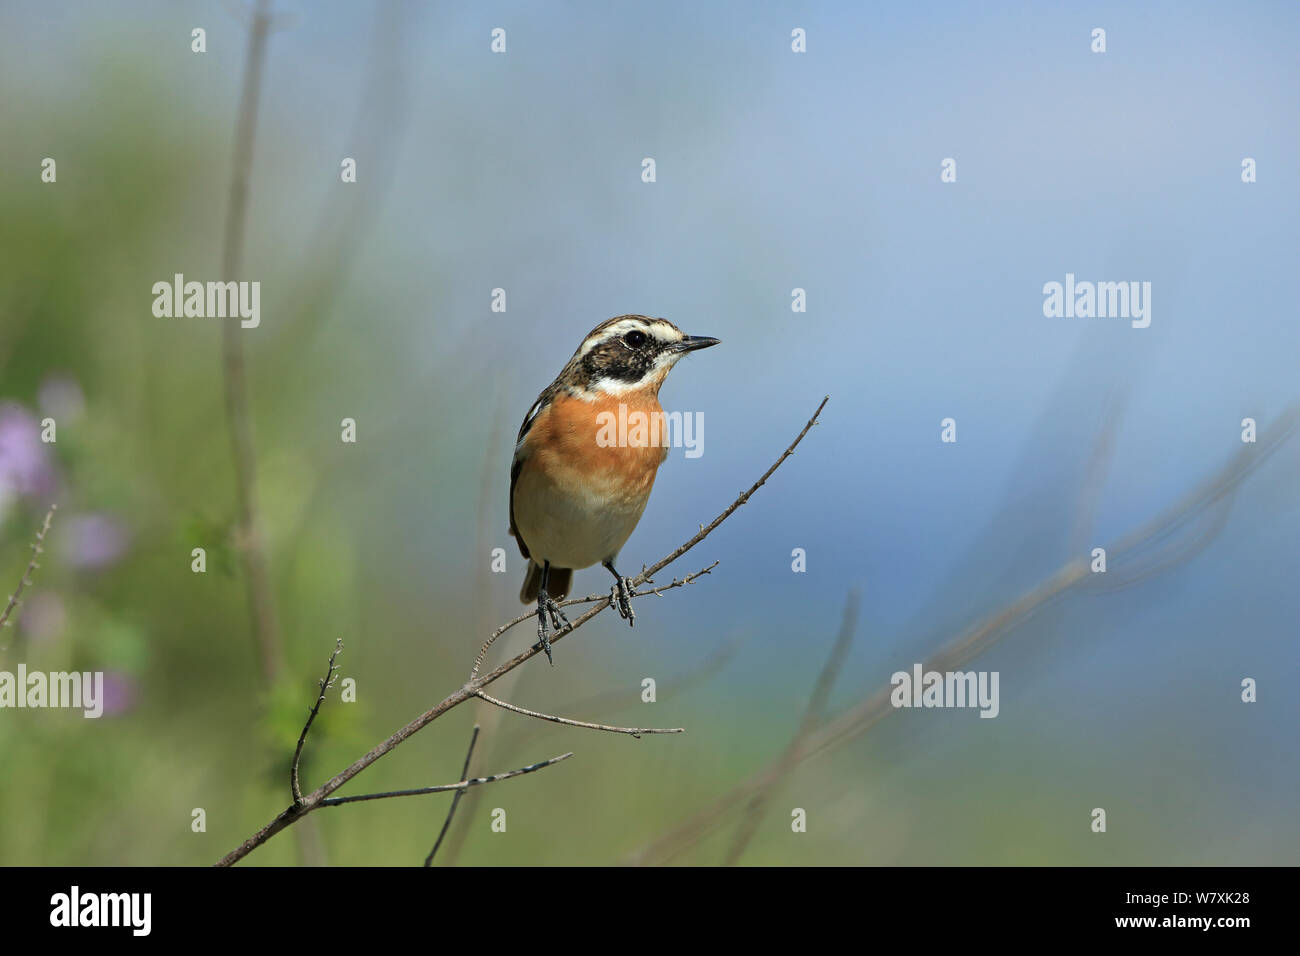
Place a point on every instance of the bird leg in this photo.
(545, 607)
(620, 595)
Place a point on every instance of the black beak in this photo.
(693, 342)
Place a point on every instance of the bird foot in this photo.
(547, 608)
(620, 595)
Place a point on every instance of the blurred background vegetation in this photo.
(479, 171)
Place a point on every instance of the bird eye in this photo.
(635, 339)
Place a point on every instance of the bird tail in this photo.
(557, 584)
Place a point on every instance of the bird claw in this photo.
(620, 596)
(548, 608)
(543, 637)
(558, 619)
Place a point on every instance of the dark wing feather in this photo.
(518, 461)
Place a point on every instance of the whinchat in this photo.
(574, 498)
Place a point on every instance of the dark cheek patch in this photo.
(615, 360)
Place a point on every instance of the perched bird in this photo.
(575, 496)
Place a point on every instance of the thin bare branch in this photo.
(674, 685)
(325, 684)
(38, 548)
(631, 731)
(469, 690)
(744, 496)
(589, 599)
(455, 801)
(444, 788)
(592, 598)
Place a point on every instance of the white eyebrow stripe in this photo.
(613, 332)
(660, 329)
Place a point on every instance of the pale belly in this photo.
(575, 525)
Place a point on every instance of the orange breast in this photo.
(613, 445)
